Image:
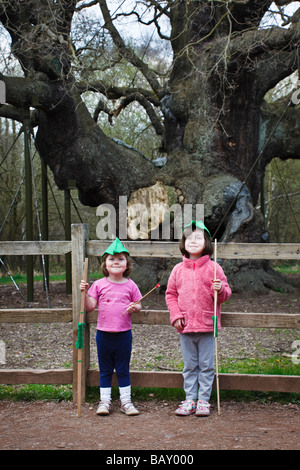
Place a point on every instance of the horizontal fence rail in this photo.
(270, 251)
(80, 246)
(35, 248)
(151, 317)
(142, 249)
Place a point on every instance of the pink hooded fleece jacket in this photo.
(190, 294)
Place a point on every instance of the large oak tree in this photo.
(217, 131)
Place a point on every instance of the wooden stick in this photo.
(157, 285)
(80, 351)
(216, 326)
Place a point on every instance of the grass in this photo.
(36, 392)
(290, 268)
(272, 366)
(59, 393)
(20, 278)
(275, 365)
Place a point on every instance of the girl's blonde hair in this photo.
(208, 248)
(126, 272)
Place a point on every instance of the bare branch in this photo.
(86, 5)
(26, 92)
(155, 121)
(12, 112)
(127, 52)
(282, 3)
(275, 39)
(159, 11)
(101, 106)
(115, 92)
(285, 141)
(248, 14)
(40, 35)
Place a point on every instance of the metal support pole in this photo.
(45, 222)
(68, 237)
(28, 198)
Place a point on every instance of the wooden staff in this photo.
(157, 285)
(216, 330)
(80, 341)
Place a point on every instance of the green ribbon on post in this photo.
(80, 338)
(215, 326)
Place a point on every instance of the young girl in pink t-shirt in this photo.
(190, 300)
(114, 294)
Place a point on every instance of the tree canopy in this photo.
(202, 96)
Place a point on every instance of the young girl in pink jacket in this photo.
(190, 300)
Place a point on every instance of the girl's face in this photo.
(116, 264)
(195, 243)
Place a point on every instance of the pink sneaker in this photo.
(186, 408)
(202, 408)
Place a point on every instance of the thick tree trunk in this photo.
(75, 148)
(216, 126)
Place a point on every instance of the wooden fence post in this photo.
(79, 235)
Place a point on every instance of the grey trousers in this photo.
(197, 351)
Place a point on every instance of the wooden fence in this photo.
(80, 247)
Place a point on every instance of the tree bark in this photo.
(218, 132)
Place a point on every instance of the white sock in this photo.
(125, 394)
(105, 394)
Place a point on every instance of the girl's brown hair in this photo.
(126, 272)
(208, 248)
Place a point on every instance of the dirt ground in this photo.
(240, 426)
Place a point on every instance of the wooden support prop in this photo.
(215, 323)
(80, 341)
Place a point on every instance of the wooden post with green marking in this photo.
(80, 341)
(79, 237)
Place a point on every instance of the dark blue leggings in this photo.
(114, 352)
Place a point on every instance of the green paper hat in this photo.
(198, 224)
(116, 247)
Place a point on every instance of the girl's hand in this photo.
(217, 284)
(84, 286)
(179, 324)
(134, 307)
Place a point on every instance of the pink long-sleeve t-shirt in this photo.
(190, 294)
(113, 299)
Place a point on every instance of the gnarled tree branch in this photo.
(127, 52)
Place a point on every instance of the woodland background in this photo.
(280, 192)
